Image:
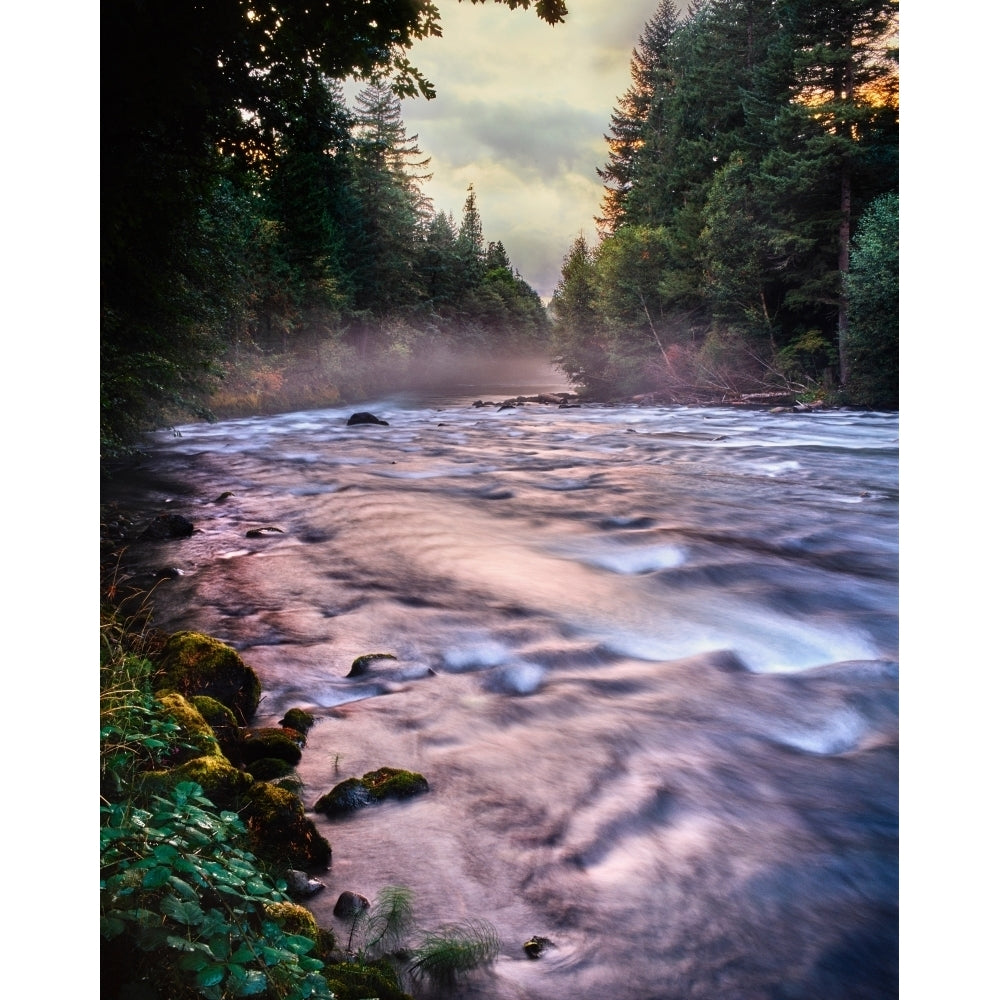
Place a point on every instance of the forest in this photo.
(266, 243)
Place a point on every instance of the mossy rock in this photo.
(375, 786)
(223, 723)
(294, 919)
(281, 832)
(269, 768)
(283, 744)
(214, 712)
(356, 981)
(196, 664)
(194, 730)
(220, 781)
(360, 665)
(298, 719)
(297, 919)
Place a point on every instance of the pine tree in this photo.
(651, 72)
(389, 169)
(843, 101)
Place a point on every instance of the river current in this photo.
(646, 658)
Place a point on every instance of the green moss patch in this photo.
(281, 832)
(193, 730)
(298, 719)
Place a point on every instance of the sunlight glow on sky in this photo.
(521, 113)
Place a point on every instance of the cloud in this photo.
(521, 114)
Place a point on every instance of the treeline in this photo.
(256, 227)
(749, 229)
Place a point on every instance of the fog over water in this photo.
(645, 657)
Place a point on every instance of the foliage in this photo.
(186, 909)
(751, 138)
(188, 905)
(873, 291)
(240, 206)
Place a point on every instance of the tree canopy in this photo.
(754, 137)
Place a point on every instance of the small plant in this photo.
(382, 927)
(453, 950)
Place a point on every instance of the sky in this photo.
(521, 113)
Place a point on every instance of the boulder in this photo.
(364, 417)
(374, 787)
(301, 886)
(195, 664)
(350, 904)
(279, 744)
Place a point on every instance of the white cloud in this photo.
(521, 113)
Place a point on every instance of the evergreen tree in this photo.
(388, 173)
(471, 251)
(843, 52)
(650, 71)
(873, 294)
(579, 335)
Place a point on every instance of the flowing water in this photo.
(646, 658)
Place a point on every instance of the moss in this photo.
(269, 768)
(221, 782)
(298, 719)
(357, 981)
(196, 664)
(281, 832)
(361, 663)
(223, 723)
(282, 744)
(214, 712)
(395, 783)
(294, 919)
(194, 730)
(375, 786)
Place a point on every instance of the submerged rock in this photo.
(264, 532)
(167, 526)
(534, 946)
(298, 719)
(364, 417)
(361, 663)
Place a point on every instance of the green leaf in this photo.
(156, 877)
(111, 927)
(182, 888)
(298, 943)
(212, 975)
(257, 888)
(183, 912)
(220, 947)
(255, 982)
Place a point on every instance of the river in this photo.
(646, 658)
